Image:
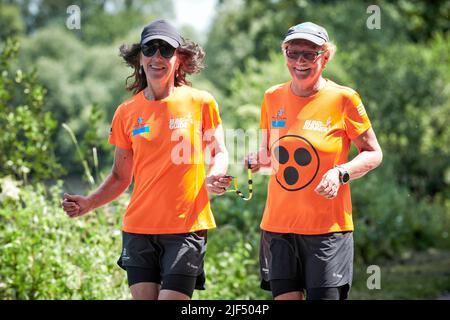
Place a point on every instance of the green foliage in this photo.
(242, 109)
(106, 27)
(81, 156)
(11, 23)
(85, 85)
(415, 97)
(110, 17)
(425, 17)
(390, 221)
(25, 144)
(45, 255)
(418, 275)
(231, 268)
(253, 29)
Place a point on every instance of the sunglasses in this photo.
(250, 186)
(309, 56)
(165, 49)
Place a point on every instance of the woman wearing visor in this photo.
(160, 135)
(309, 124)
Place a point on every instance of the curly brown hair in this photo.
(191, 56)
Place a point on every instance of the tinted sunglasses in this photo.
(165, 50)
(309, 56)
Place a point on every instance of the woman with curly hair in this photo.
(160, 136)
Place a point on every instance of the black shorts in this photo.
(172, 260)
(309, 261)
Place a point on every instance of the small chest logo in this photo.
(141, 129)
(279, 121)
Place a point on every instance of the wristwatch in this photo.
(344, 176)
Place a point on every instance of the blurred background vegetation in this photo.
(50, 76)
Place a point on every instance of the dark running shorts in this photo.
(165, 257)
(310, 261)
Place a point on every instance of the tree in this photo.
(25, 144)
(40, 13)
(11, 23)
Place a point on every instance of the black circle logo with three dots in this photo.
(296, 162)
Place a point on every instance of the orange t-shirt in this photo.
(307, 137)
(169, 194)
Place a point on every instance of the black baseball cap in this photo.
(308, 31)
(161, 29)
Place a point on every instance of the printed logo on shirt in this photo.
(180, 123)
(361, 110)
(296, 162)
(317, 125)
(140, 129)
(279, 121)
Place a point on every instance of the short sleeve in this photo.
(117, 134)
(210, 116)
(356, 120)
(263, 118)
(264, 124)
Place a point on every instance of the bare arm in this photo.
(113, 186)
(216, 183)
(261, 159)
(368, 158)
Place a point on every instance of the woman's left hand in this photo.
(218, 184)
(329, 185)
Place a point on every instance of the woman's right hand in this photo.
(75, 206)
(219, 184)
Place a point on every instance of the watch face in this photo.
(345, 177)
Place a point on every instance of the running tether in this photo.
(250, 186)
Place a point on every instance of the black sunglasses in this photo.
(165, 49)
(307, 55)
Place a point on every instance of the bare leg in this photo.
(145, 291)
(172, 295)
(294, 295)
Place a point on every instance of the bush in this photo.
(231, 267)
(390, 221)
(45, 255)
(26, 148)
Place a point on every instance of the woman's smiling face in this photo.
(157, 67)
